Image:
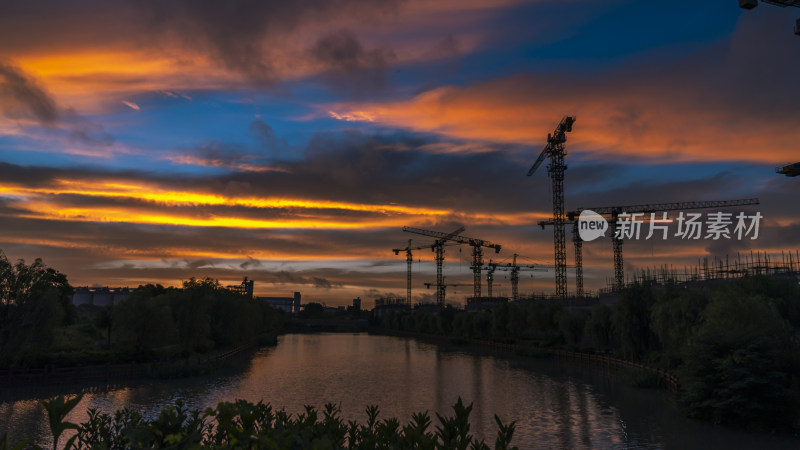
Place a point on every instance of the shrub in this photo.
(244, 425)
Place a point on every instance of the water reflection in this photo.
(556, 404)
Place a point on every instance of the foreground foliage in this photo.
(244, 425)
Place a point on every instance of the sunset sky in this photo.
(291, 141)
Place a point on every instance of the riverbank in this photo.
(733, 345)
(114, 373)
(119, 373)
(666, 379)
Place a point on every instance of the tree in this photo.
(311, 311)
(674, 319)
(736, 370)
(631, 319)
(145, 323)
(600, 328)
(542, 320)
(572, 324)
(105, 320)
(517, 320)
(500, 318)
(35, 300)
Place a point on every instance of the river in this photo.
(556, 404)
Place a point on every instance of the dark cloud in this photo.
(713, 186)
(372, 294)
(199, 263)
(243, 34)
(221, 154)
(85, 131)
(400, 168)
(225, 155)
(286, 277)
(22, 98)
(266, 136)
(250, 263)
(31, 176)
(349, 66)
(447, 47)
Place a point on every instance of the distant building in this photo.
(288, 304)
(246, 288)
(388, 305)
(357, 303)
(99, 296)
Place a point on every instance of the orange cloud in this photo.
(354, 116)
(295, 213)
(51, 212)
(110, 189)
(655, 123)
(94, 63)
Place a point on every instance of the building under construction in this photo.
(245, 288)
(613, 216)
(785, 264)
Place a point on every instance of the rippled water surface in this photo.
(556, 404)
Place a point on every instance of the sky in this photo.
(290, 142)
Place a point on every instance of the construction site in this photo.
(618, 218)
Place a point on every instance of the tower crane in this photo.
(515, 269)
(477, 254)
(555, 150)
(614, 211)
(438, 247)
(409, 259)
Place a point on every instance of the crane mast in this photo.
(438, 248)
(477, 255)
(555, 151)
(409, 260)
(515, 269)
